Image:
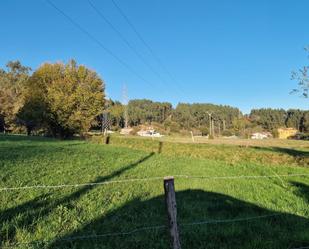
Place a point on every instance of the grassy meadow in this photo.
(74, 217)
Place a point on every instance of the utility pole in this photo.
(224, 124)
(104, 118)
(125, 105)
(210, 123)
(213, 127)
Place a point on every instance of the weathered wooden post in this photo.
(170, 200)
(107, 139)
(192, 137)
(160, 147)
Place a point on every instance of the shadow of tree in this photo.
(24, 215)
(19, 138)
(303, 190)
(28, 151)
(282, 230)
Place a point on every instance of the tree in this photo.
(305, 122)
(269, 119)
(116, 111)
(294, 118)
(197, 115)
(146, 111)
(63, 98)
(32, 114)
(302, 77)
(12, 82)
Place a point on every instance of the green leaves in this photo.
(62, 99)
(12, 82)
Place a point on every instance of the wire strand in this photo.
(122, 37)
(143, 180)
(146, 228)
(237, 177)
(125, 17)
(229, 220)
(99, 43)
(93, 236)
(81, 184)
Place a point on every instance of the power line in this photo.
(125, 40)
(144, 42)
(94, 39)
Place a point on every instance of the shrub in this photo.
(227, 133)
(204, 130)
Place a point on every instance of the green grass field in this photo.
(74, 217)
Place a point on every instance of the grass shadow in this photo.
(282, 230)
(302, 190)
(300, 156)
(24, 215)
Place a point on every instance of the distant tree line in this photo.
(184, 117)
(61, 100)
(224, 120)
(271, 119)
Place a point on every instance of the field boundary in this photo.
(145, 228)
(146, 179)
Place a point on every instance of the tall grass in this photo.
(220, 152)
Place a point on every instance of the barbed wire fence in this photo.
(170, 205)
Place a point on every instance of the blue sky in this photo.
(239, 53)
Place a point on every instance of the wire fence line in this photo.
(141, 229)
(82, 184)
(238, 177)
(145, 179)
(229, 220)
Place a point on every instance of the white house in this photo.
(260, 135)
(149, 133)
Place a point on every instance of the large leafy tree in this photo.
(63, 98)
(12, 83)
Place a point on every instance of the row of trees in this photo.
(184, 116)
(201, 117)
(64, 99)
(57, 99)
(271, 119)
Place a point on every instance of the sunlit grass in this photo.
(37, 215)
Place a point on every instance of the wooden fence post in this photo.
(160, 147)
(170, 200)
(192, 136)
(107, 139)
